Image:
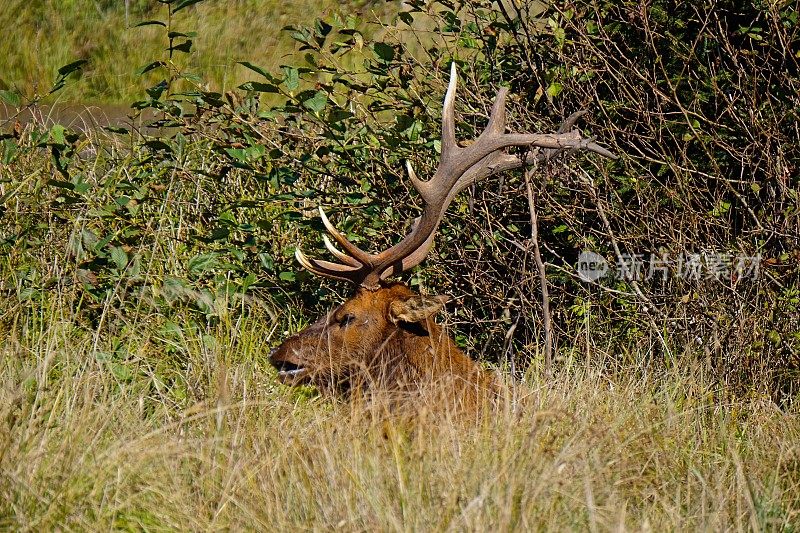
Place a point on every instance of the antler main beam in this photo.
(458, 168)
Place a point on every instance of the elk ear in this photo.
(416, 309)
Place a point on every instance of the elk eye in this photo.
(346, 320)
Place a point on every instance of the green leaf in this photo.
(27, 294)
(116, 129)
(291, 78)
(774, 337)
(237, 153)
(175, 34)
(158, 146)
(554, 89)
(184, 4)
(257, 69)
(57, 134)
(82, 187)
(287, 276)
(150, 23)
(150, 66)
(259, 87)
(157, 90)
(9, 151)
(64, 72)
(202, 262)
(317, 102)
(267, 261)
(69, 68)
(119, 257)
(120, 371)
(204, 301)
(559, 34)
(311, 60)
(184, 47)
(384, 51)
(337, 115)
(209, 341)
(10, 97)
(720, 209)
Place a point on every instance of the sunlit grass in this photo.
(198, 435)
(40, 37)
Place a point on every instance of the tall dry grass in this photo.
(85, 448)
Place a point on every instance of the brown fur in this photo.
(370, 343)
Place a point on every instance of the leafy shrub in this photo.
(698, 101)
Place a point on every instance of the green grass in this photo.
(40, 37)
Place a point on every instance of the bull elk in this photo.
(385, 336)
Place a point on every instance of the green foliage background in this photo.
(198, 216)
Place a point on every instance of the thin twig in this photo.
(537, 257)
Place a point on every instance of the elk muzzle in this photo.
(287, 361)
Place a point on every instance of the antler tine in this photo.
(304, 260)
(413, 259)
(458, 168)
(449, 145)
(596, 148)
(328, 269)
(565, 127)
(497, 118)
(567, 124)
(422, 187)
(357, 253)
(341, 256)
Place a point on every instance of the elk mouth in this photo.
(290, 373)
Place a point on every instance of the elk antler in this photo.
(458, 168)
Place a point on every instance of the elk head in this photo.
(385, 336)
